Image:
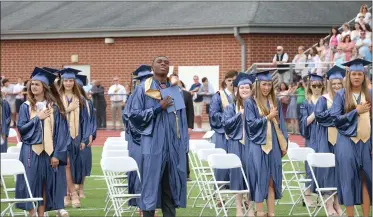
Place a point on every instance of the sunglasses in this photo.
(316, 86)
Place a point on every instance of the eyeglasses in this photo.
(279, 50)
(314, 86)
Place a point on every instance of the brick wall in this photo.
(18, 57)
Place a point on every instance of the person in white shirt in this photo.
(118, 98)
(7, 90)
(346, 30)
(362, 44)
(279, 60)
(18, 90)
(300, 63)
(364, 16)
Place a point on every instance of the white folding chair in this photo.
(118, 165)
(14, 156)
(285, 173)
(123, 134)
(208, 135)
(205, 177)
(114, 147)
(122, 143)
(114, 153)
(299, 155)
(116, 139)
(13, 133)
(195, 165)
(13, 149)
(226, 161)
(19, 145)
(12, 167)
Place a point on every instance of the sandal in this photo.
(261, 214)
(270, 214)
(308, 201)
(67, 200)
(62, 213)
(81, 194)
(75, 200)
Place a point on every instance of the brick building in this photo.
(189, 33)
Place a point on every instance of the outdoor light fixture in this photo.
(74, 58)
(109, 40)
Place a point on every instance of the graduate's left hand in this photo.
(82, 145)
(90, 141)
(54, 162)
(283, 153)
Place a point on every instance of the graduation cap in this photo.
(68, 73)
(43, 75)
(144, 71)
(315, 77)
(357, 64)
(243, 78)
(81, 80)
(51, 70)
(264, 75)
(336, 72)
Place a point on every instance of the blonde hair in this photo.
(309, 90)
(331, 92)
(259, 98)
(349, 103)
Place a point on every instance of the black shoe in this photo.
(189, 179)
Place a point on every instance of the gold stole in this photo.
(243, 125)
(47, 132)
(332, 131)
(363, 124)
(156, 94)
(280, 137)
(72, 117)
(224, 99)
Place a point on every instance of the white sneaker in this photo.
(62, 213)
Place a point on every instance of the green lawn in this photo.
(95, 191)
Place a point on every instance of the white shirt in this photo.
(120, 95)
(17, 89)
(364, 43)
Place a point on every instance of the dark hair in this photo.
(230, 74)
(5, 80)
(157, 58)
(182, 83)
(286, 86)
(25, 83)
(204, 79)
(367, 27)
(314, 51)
(359, 26)
(336, 29)
(346, 36)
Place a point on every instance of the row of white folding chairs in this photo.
(115, 166)
(314, 160)
(11, 166)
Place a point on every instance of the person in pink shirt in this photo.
(347, 45)
(335, 38)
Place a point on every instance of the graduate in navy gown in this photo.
(219, 101)
(92, 125)
(44, 132)
(5, 124)
(268, 144)
(78, 121)
(134, 136)
(327, 136)
(308, 126)
(164, 144)
(233, 122)
(351, 111)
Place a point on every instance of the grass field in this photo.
(95, 191)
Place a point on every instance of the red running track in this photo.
(103, 134)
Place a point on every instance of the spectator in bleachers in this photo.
(320, 46)
(17, 90)
(197, 103)
(347, 45)
(354, 54)
(355, 34)
(283, 96)
(368, 31)
(279, 59)
(346, 30)
(363, 43)
(10, 97)
(368, 55)
(207, 91)
(314, 62)
(291, 112)
(339, 57)
(364, 15)
(335, 38)
(300, 62)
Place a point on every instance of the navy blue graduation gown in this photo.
(134, 151)
(263, 166)
(233, 126)
(160, 145)
(74, 153)
(38, 169)
(5, 125)
(309, 133)
(219, 139)
(352, 160)
(87, 152)
(325, 176)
